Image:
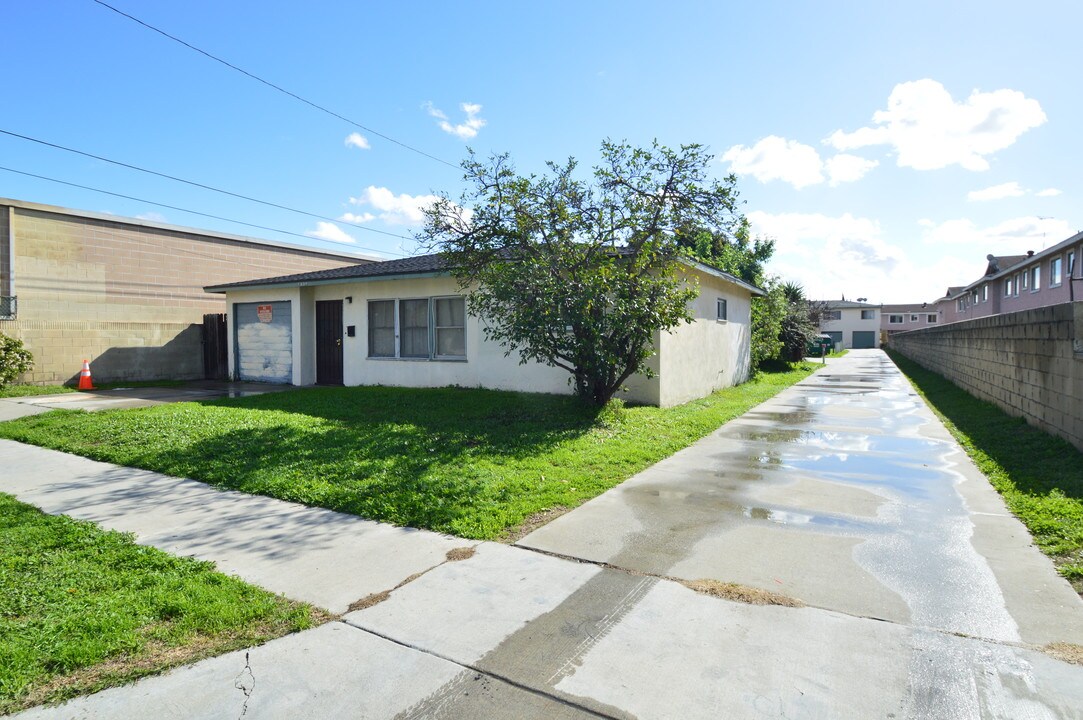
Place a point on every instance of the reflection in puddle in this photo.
(713, 507)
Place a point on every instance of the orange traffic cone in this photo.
(85, 381)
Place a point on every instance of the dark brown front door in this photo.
(328, 342)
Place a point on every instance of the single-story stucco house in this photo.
(405, 323)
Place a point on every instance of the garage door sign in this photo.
(264, 313)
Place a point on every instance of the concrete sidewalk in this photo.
(926, 600)
(133, 397)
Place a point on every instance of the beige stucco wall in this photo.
(708, 354)
(693, 360)
(1029, 363)
(124, 293)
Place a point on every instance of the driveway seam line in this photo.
(681, 581)
(488, 673)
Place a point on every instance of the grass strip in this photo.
(83, 609)
(18, 391)
(470, 462)
(1039, 475)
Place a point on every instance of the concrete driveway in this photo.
(924, 596)
(846, 492)
(121, 397)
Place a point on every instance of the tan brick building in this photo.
(123, 292)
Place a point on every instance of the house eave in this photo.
(312, 283)
(702, 267)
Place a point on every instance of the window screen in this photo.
(414, 328)
(450, 326)
(381, 328)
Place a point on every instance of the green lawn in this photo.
(82, 609)
(474, 463)
(1039, 475)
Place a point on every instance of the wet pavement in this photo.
(844, 492)
(925, 597)
(132, 397)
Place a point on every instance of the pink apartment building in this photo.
(1011, 283)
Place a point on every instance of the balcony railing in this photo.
(8, 307)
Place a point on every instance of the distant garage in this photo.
(264, 341)
(864, 339)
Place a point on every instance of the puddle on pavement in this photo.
(913, 525)
(724, 506)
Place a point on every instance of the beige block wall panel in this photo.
(1023, 362)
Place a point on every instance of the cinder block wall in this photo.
(126, 294)
(1029, 363)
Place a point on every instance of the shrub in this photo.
(14, 359)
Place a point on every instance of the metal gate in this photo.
(215, 347)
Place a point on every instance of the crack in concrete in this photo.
(247, 688)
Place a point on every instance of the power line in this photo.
(269, 84)
(194, 212)
(199, 185)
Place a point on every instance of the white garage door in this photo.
(264, 341)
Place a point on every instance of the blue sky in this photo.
(886, 148)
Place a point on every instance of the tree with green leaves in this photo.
(798, 327)
(581, 275)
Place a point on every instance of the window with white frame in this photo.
(913, 317)
(985, 292)
(1018, 279)
(1036, 278)
(1026, 278)
(721, 312)
(894, 319)
(932, 318)
(1071, 263)
(414, 328)
(418, 328)
(1055, 271)
(381, 328)
(868, 314)
(1007, 287)
(449, 327)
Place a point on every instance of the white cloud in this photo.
(776, 158)
(391, 208)
(331, 232)
(358, 141)
(1048, 192)
(929, 130)
(996, 192)
(1010, 237)
(847, 168)
(464, 130)
(357, 219)
(152, 216)
(831, 256)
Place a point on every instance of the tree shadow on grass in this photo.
(413, 457)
